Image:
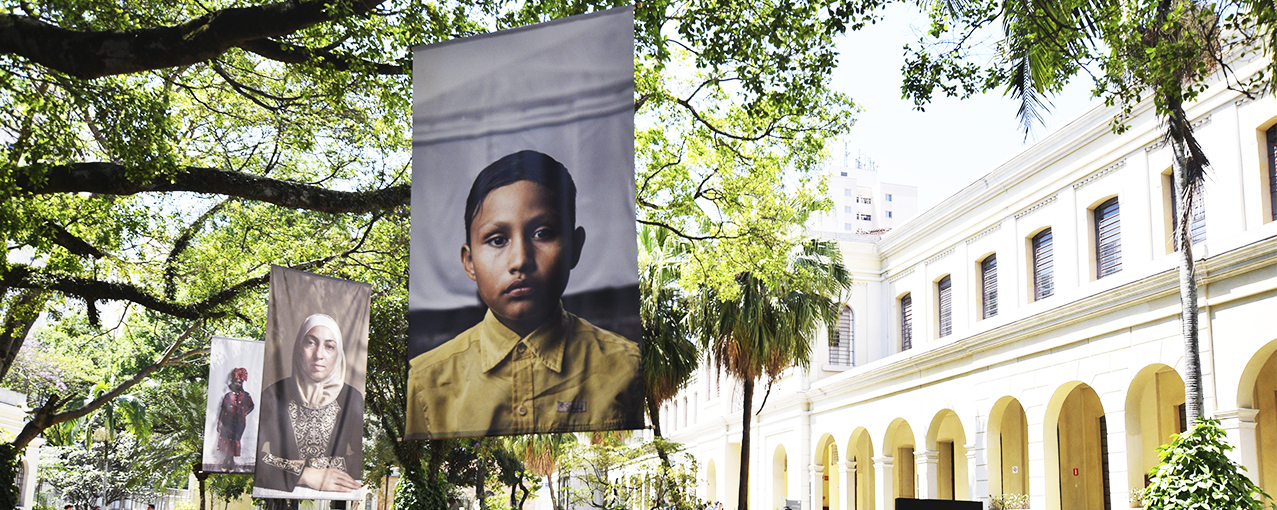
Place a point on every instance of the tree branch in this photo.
(113, 179)
(26, 277)
(295, 54)
(48, 415)
(111, 52)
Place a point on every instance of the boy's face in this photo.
(519, 255)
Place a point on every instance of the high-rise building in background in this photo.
(863, 204)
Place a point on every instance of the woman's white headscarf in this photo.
(319, 393)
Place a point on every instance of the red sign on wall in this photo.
(1075, 472)
(826, 478)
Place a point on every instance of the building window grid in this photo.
(989, 286)
(944, 295)
(1272, 171)
(1196, 229)
(841, 349)
(1108, 238)
(1043, 265)
(906, 322)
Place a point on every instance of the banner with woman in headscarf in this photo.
(312, 409)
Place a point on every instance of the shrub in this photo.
(1196, 473)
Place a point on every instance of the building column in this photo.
(928, 484)
(883, 468)
(975, 490)
(847, 470)
(1239, 427)
(817, 488)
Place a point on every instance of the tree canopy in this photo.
(156, 159)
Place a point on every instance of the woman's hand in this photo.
(331, 479)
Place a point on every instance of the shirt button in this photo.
(521, 349)
(523, 410)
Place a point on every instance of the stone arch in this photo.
(1075, 442)
(1257, 391)
(860, 449)
(711, 481)
(899, 443)
(1154, 412)
(827, 458)
(947, 453)
(1008, 448)
(780, 473)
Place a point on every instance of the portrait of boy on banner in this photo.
(312, 409)
(523, 284)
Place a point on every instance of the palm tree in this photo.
(767, 327)
(670, 357)
(540, 453)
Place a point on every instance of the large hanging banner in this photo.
(523, 283)
(312, 423)
(230, 418)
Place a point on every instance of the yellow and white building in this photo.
(1054, 373)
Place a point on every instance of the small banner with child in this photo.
(523, 282)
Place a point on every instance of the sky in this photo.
(950, 145)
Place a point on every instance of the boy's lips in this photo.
(521, 288)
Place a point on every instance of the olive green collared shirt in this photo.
(566, 376)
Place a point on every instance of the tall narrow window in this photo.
(840, 349)
(989, 286)
(906, 322)
(1272, 170)
(1196, 229)
(1108, 238)
(945, 295)
(1043, 265)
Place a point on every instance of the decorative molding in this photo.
(1248, 97)
(894, 277)
(983, 233)
(1041, 203)
(858, 283)
(941, 255)
(1201, 121)
(1157, 144)
(1099, 173)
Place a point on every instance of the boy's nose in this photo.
(522, 258)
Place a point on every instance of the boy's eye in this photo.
(544, 233)
(497, 241)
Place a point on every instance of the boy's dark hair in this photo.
(529, 166)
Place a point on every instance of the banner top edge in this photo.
(577, 17)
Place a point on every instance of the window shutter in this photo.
(1272, 170)
(1196, 229)
(1043, 265)
(906, 322)
(841, 348)
(1108, 238)
(989, 285)
(945, 286)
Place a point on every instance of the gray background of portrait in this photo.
(228, 354)
(295, 295)
(563, 88)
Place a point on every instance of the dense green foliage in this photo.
(1196, 474)
(145, 191)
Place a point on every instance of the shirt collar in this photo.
(546, 343)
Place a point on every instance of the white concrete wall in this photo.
(1102, 335)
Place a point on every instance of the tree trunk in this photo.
(1187, 283)
(667, 485)
(554, 502)
(480, 476)
(742, 495)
